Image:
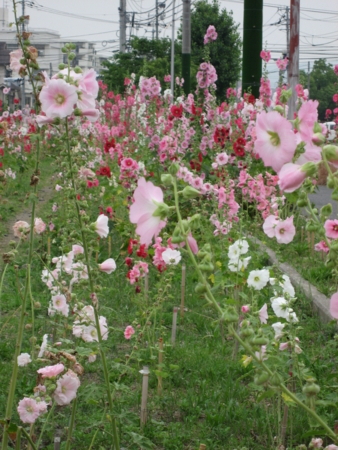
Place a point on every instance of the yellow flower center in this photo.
(60, 99)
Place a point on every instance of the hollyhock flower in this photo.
(6, 91)
(276, 142)
(334, 306)
(331, 228)
(222, 159)
(265, 55)
(280, 307)
(322, 247)
(77, 249)
(240, 247)
(282, 63)
(287, 286)
(291, 177)
(59, 303)
(148, 210)
(258, 279)
(307, 116)
(263, 313)
(101, 226)
(51, 371)
(284, 346)
(245, 309)
(43, 346)
(21, 229)
(239, 264)
(269, 226)
(88, 83)
(108, 266)
(91, 358)
(332, 446)
(28, 410)
(66, 388)
(58, 99)
(278, 329)
(285, 231)
(128, 332)
(24, 359)
(316, 443)
(15, 58)
(39, 226)
(171, 257)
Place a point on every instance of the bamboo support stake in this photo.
(302, 234)
(173, 330)
(57, 443)
(109, 246)
(312, 243)
(48, 247)
(182, 291)
(202, 447)
(146, 287)
(160, 362)
(145, 372)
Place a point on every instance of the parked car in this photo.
(331, 130)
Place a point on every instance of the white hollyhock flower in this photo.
(278, 329)
(239, 265)
(258, 279)
(280, 307)
(171, 257)
(24, 359)
(238, 248)
(287, 286)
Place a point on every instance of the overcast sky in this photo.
(98, 21)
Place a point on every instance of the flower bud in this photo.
(261, 378)
(326, 211)
(318, 139)
(190, 192)
(330, 152)
(309, 168)
(162, 210)
(279, 109)
(174, 168)
(166, 179)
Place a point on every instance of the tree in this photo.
(225, 52)
(146, 58)
(322, 86)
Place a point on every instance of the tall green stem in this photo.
(45, 424)
(92, 288)
(71, 424)
(12, 386)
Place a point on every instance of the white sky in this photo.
(100, 24)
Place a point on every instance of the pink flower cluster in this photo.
(211, 35)
(129, 169)
(283, 230)
(265, 55)
(206, 76)
(139, 270)
(149, 88)
(282, 63)
(265, 92)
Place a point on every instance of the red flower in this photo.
(141, 252)
(129, 261)
(220, 135)
(109, 144)
(176, 111)
(238, 147)
(16, 101)
(104, 171)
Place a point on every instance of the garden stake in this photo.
(57, 442)
(160, 361)
(173, 330)
(145, 372)
(48, 247)
(302, 234)
(202, 447)
(109, 246)
(182, 291)
(312, 243)
(146, 287)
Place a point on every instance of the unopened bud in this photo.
(190, 192)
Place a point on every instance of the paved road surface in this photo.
(323, 197)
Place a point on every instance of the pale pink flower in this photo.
(66, 389)
(60, 304)
(24, 359)
(128, 332)
(334, 306)
(245, 308)
(58, 188)
(192, 243)
(307, 116)
(15, 58)
(285, 231)
(291, 177)
(88, 83)
(101, 226)
(28, 410)
(92, 358)
(322, 247)
(39, 225)
(171, 257)
(284, 346)
(269, 226)
(77, 249)
(263, 313)
(316, 443)
(51, 371)
(332, 446)
(21, 229)
(108, 266)
(58, 99)
(144, 211)
(276, 142)
(331, 228)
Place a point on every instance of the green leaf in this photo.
(267, 394)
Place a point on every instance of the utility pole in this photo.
(172, 64)
(186, 45)
(156, 19)
(23, 87)
(123, 25)
(293, 67)
(308, 77)
(252, 46)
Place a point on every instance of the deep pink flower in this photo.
(276, 142)
(245, 308)
(147, 201)
(291, 177)
(331, 228)
(66, 389)
(128, 332)
(285, 231)
(265, 55)
(51, 371)
(322, 247)
(58, 99)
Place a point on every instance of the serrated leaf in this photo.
(159, 373)
(287, 399)
(267, 394)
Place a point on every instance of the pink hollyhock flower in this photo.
(210, 35)
(336, 69)
(334, 306)
(322, 247)
(332, 446)
(192, 244)
(283, 346)
(39, 226)
(24, 359)
(21, 229)
(28, 410)
(291, 177)
(282, 63)
(245, 309)
(66, 389)
(51, 371)
(276, 142)
(101, 226)
(148, 210)
(108, 266)
(263, 313)
(307, 116)
(265, 55)
(60, 304)
(77, 249)
(285, 231)
(128, 332)
(269, 226)
(15, 58)
(316, 443)
(331, 228)
(58, 99)
(88, 83)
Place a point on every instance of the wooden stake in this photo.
(48, 247)
(182, 291)
(145, 372)
(160, 362)
(146, 287)
(109, 246)
(302, 234)
(312, 242)
(202, 447)
(57, 443)
(173, 330)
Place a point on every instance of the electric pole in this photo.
(252, 46)
(308, 77)
(186, 45)
(293, 67)
(123, 25)
(23, 87)
(172, 63)
(156, 19)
